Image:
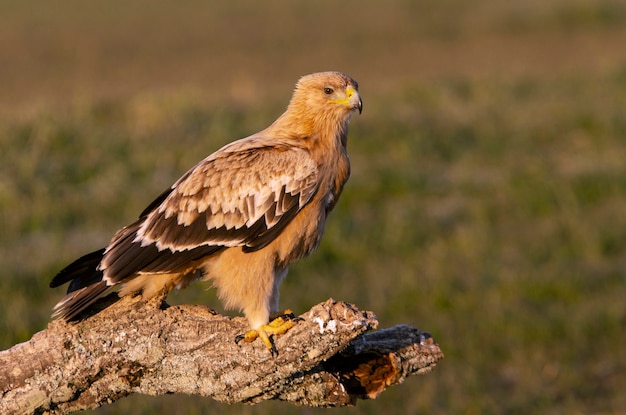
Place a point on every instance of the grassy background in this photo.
(487, 202)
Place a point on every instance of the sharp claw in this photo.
(273, 350)
(248, 337)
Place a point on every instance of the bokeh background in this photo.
(487, 202)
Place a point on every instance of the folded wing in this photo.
(235, 197)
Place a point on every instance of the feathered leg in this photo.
(281, 323)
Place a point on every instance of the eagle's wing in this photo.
(235, 197)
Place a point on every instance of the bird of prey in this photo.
(238, 218)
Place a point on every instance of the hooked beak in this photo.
(354, 99)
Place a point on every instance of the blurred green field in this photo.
(487, 202)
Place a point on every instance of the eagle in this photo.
(238, 218)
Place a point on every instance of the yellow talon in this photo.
(280, 325)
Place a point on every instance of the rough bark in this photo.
(328, 359)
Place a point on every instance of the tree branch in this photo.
(131, 346)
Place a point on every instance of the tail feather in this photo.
(86, 285)
(84, 269)
(77, 301)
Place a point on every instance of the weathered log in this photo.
(330, 358)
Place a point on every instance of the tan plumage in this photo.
(239, 217)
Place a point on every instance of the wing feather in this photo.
(231, 191)
(238, 196)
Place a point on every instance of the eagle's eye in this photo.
(328, 90)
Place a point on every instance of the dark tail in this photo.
(81, 273)
(86, 285)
